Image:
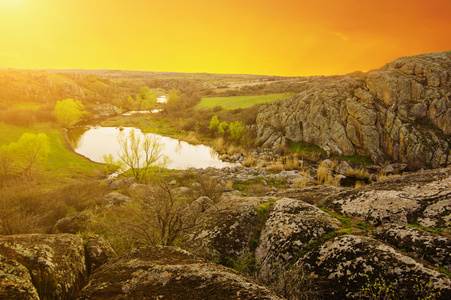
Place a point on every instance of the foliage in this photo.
(140, 153)
(30, 151)
(223, 126)
(68, 112)
(214, 123)
(237, 131)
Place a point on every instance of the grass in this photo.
(62, 164)
(306, 149)
(234, 102)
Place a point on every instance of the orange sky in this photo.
(273, 37)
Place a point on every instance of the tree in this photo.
(139, 153)
(6, 159)
(223, 127)
(68, 112)
(30, 151)
(214, 123)
(237, 130)
(174, 96)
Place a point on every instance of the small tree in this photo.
(223, 127)
(140, 153)
(68, 112)
(237, 130)
(30, 151)
(6, 159)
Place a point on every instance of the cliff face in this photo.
(400, 112)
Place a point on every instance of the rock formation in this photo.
(400, 112)
(169, 273)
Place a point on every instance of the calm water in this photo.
(94, 142)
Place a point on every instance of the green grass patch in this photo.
(305, 148)
(357, 160)
(62, 164)
(234, 102)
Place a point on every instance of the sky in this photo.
(267, 37)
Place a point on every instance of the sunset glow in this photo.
(285, 37)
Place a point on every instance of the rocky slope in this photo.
(400, 112)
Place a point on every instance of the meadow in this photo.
(234, 102)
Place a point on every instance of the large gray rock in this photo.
(400, 112)
(55, 263)
(289, 229)
(98, 252)
(405, 201)
(428, 246)
(15, 281)
(345, 265)
(169, 273)
(226, 230)
(72, 224)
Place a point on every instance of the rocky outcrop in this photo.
(290, 228)
(348, 264)
(52, 266)
(428, 204)
(106, 110)
(169, 273)
(400, 112)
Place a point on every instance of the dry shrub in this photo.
(282, 150)
(323, 176)
(257, 189)
(192, 138)
(359, 173)
(250, 161)
(275, 167)
(229, 184)
(359, 183)
(291, 163)
(302, 181)
(209, 187)
(219, 145)
(296, 283)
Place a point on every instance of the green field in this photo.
(234, 102)
(61, 163)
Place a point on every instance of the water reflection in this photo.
(94, 142)
(74, 135)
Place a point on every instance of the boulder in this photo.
(346, 265)
(226, 230)
(55, 263)
(121, 183)
(72, 224)
(289, 229)
(115, 199)
(15, 281)
(98, 252)
(422, 244)
(169, 273)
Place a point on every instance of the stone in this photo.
(226, 230)
(98, 252)
(345, 265)
(72, 224)
(122, 183)
(169, 273)
(115, 199)
(421, 244)
(15, 281)
(55, 262)
(289, 229)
